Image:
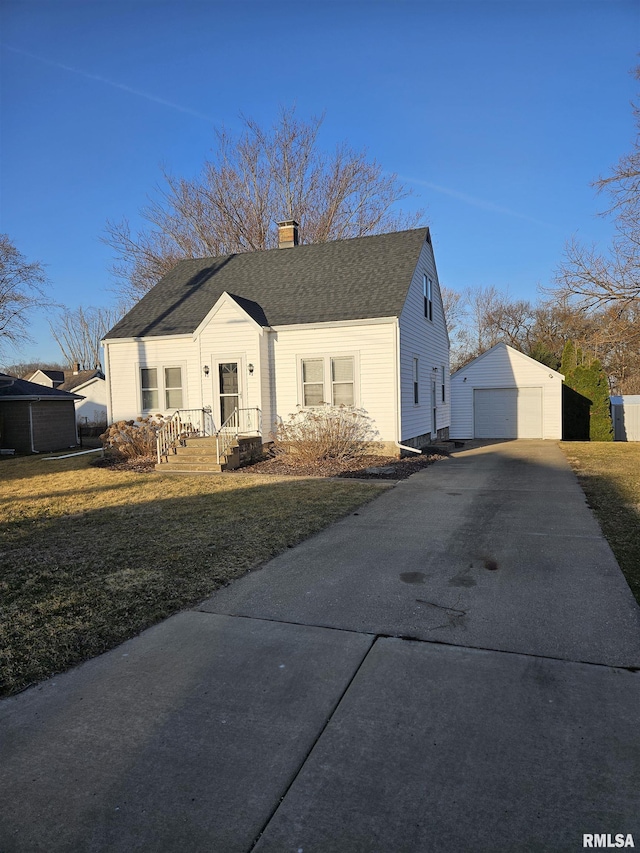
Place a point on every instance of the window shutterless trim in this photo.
(427, 290)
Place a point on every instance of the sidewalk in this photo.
(450, 668)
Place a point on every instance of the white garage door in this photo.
(507, 412)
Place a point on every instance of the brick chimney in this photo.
(287, 234)
(76, 368)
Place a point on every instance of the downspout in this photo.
(398, 391)
(33, 449)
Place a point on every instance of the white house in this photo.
(358, 322)
(90, 389)
(505, 394)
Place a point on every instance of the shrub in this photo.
(132, 439)
(325, 432)
(585, 375)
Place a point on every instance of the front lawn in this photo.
(90, 556)
(609, 474)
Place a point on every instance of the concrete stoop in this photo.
(198, 456)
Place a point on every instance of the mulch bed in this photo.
(280, 465)
(141, 464)
(402, 468)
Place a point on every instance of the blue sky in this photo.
(497, 114)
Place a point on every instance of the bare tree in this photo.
(594, 279)
(454, 305)
(78, 333)
(253, 180)
(484, 316)
(21, 291)
(24, 369)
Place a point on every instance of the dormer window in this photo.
(427, 287)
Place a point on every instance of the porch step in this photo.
(182, 458)
(191, 468)
(195, 450)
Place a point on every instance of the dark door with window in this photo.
(229, 389)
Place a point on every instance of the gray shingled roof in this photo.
(12, 388)
(344, 280)
(72, 380)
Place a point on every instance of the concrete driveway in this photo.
(451, 668)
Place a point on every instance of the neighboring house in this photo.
(34, 418)
(91, 409)
(358, 322)
(505, 394)
(625, 414)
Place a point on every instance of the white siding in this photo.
(505, 367)
(426, 340)
(373, 347)
(124, 360)
(94, 406)
(230, 335)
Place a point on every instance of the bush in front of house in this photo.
(132, 439)
(325, 432)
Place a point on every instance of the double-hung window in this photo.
(161, 385)
(173, 387)
(328, 380)
(416, 382)
(342, 379)
(427, 288)
(149, 383)
(443, 383)
(313, 381)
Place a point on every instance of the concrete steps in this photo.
(199, 456)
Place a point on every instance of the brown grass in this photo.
(89, 556)
(609, 474)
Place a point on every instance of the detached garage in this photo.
(505, 394)
(35, 419)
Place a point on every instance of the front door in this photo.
(228, 379)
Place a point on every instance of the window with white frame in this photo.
(416, 382)
(329, 380)
(173, 387)
(161, 385)
(342, 379)
(443, 384)
(313, 381)
(427, 287)
(149, 385)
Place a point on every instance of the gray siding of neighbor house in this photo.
(625, 412)
(53, 423)
(14, 426)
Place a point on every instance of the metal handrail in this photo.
(239, 422)
(183, 424)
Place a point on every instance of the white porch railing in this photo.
(239, 422)
(183, 424)
(198, 423)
